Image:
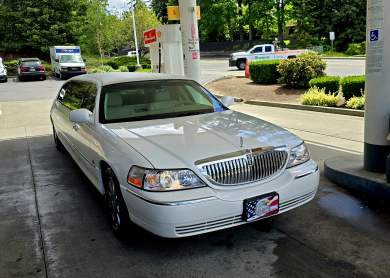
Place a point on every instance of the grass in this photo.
(334, 54)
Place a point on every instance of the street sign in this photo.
(150, 36)
(374, 35)
(174, 12)
(332, 36)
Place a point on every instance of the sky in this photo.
(117, 4)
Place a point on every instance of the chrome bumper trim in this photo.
(175, 203)
(307, 173)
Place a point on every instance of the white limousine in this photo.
(170, 157)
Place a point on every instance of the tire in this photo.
(115, 204)
(241, 64)
(59, 146)
(20, 79)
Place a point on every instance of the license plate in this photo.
(261, 207)
(32, 69)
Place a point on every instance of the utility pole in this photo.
(377, 116)
(135, 37)
(190, 38)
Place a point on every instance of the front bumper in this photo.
(232, 63)
(69, 74)
(217, 209)
(3, 77)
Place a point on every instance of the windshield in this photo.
(138, 101)
(71, 59)
(32, 63)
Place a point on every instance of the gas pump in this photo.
(166, 50)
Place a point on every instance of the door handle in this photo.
(76, 127)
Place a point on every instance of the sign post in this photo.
(376, 145)
(332, 37)
(190, 37)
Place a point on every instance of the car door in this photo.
(257, 52)
(67, 101)
(84, 136)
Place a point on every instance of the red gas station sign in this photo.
(150, 36)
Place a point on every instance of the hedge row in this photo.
(126, 61)
(350, 86)
(264, 72)
(353, 86)
(331, 84)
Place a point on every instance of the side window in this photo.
(71, 96)
(268, 48)
(257, 50)
(88, 91)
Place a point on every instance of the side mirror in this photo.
(81, 116)
(227, 101)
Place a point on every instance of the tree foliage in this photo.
(30, 25)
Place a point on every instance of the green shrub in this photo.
(356, 103)
(12, 67)
(296, 73)
(48, 68)
(264, 72)
(123, 69)
(318, 97)
(101, 69)
(356, 49)
(117, 62)
(353, 86)
(331, 84)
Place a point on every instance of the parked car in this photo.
(30, 68)
(261, 52)
(3, 72)
(170, 157)
(132, 53)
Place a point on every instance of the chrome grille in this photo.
(244, 166)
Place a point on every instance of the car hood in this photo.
(82, 65)
(239, 53)
(180, 142)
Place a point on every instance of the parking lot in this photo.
(52, 221)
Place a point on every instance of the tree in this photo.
(34, 26)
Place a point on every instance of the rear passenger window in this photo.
(268, 48)
(78, 94)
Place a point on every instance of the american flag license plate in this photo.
(261, 206)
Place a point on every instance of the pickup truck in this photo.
(261, 52)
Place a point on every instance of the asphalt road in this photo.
(211, 69)
(52, 222)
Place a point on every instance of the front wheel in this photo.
(241, 64)
(115, 204)
(59, 146)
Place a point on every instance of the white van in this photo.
(3, 72)
(66, 61)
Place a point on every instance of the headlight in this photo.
(298, 155)
(64, 69)
(163, 180)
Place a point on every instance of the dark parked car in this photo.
(31, 68)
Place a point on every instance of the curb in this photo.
(349, 177)
(218, 79)
(330, 110)
(344, 58)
